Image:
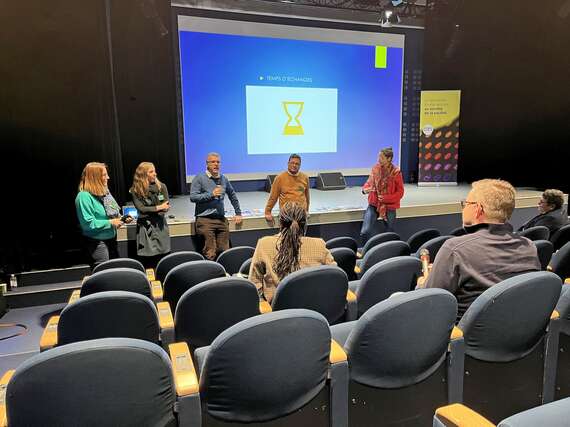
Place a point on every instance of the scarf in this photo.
(111, 206)
(378, 184)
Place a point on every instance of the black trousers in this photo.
(101, 250)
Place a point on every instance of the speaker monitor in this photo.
(331, 181)
(269, 182)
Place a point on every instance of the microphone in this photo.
(424, 258)
(217, 181)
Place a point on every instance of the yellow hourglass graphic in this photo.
(294, 128)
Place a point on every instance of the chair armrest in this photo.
(150, 274)
(165, 318)
(461, 416)
(357, 269)
(264, 307)
(549, 268)
(74, 296)
(456, 333)
(555, 315)
(49, 336)
(567, 281)
(183, 371)
(358, 254)
(3, 385)
(337, 353)
(350, 296)
(156, 290)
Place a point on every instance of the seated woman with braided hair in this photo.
(288, 251)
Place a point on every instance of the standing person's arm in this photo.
(141, 207)
(398, 193)
(232, 195)
(368, 185)
(273, 197)
(197, 191)
(86, 216)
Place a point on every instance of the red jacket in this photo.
(395, 192)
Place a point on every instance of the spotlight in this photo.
(388, 17)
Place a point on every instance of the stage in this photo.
(339, 212)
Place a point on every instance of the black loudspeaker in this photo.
(331, 181)
(269, 182)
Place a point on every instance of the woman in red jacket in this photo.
(385, 189)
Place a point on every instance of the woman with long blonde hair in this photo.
(150, 197)
(98, 213)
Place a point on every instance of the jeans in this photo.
(370, 217)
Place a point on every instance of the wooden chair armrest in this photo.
(548, 268)
(337, 353)
(358, 255)
(87, 276)
(165, 318)
(150, 274)
(156, 290)
(567, 281)
(456, 333)
(74, 296)
(264, 307)
(3, 385)
(461, 416)
(185, 378)
(555, 315)
(350, 296)
(49, 336)
(357, 269)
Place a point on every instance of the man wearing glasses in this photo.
(489, 253)
(289, 186)
(208, 191)
(551, 212)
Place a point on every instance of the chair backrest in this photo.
(561, 237)
(245, 266)
(342, 242)
(266, 367)
(433, 246)
(544, 248)
(508, 320)
(560, 262)
(458, 231)
(551, 414)
(563, 304)
(379, 238)
(346, 259)
(119, 263)
(232, 259)
(322, 289)
(539, 232)
(184, 276)
(384, 251)
(402, 340)
(117, 279)
(131, 384)
(209, 308)
(109, 314)
(422, 236)
(172, 260)
(398, 274)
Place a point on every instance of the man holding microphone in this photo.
(208, 191)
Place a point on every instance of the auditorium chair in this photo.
(559, 345)
(323, 288)
(172, 260)
(380, 253)
(232, 259)
(244, 269)
(561, 237)
(345, 258)
(186, 275)
(376, 240)
(110, 314)
(544, 249)
(342, 242)
(405, 359)
(433, 246)
(458, 415)
(397, 274)
(540, 232)
(119, 263)
(458, 231)
(109, 381)
(209, 308)
(422, 236)
(507, 369)
(279, 369)
(560, 262)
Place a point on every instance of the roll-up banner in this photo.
(439, 137)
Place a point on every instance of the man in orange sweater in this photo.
(289, 186)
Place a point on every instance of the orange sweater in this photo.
(289, 188)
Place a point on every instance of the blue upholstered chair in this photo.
(275, 369)
(117, 279)
(376, 240)
(346, 259)
(119, 263)
(458, 231)
(380, 253)
(560, 262)
(233, 258)
(405, 359)
(419, 238)
(558, 385)
(172, 260)
(342, 242)
(505, 331)
(540, 232)
(560, 237)
(544, 248)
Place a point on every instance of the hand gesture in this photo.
(163, 207)
(217, 191)
(238, 219)
(269, 219)
(116, 222)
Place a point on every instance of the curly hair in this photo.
(292, 224)
(554, 198)
(140, 179)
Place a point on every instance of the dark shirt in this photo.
(201, 193)
(553, 220)
(147, 205)
(469, 265)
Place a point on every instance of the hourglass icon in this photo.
(294, 128)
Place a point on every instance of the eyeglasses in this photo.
(466, 202)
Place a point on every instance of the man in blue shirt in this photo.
(208, 191)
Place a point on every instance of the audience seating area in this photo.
(353, 344)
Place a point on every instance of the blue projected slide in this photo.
(255, 100)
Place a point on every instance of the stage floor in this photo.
(333, 206)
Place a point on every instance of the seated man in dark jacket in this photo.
(551, 212)
(489, 253)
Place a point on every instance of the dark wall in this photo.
(510, 59)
